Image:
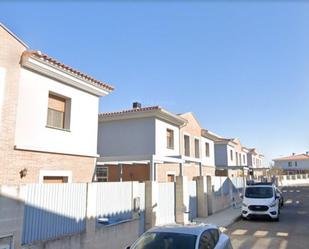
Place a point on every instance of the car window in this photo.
(259, 192)
(209, 239)
(165, 240)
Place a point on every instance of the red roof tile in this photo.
(143, 109)
(56, 63)
(293, 157)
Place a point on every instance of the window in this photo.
(170, 138)
(295, 163)
(236, 156)
(187, 145)
(197, 147)
(58, 115)
(102, 174)
(231, 155)
(55, 179)
(290, 164)
(209, 239)
(165, 240)
(6, 242)
(171, 177)
(244, 159)
(207, 153)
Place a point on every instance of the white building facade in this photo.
(49, 117)
(293, 164)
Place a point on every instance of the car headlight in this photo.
(244, 204)
(273, 204)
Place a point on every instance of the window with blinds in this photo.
(170, 139)
(207, 153)
(197, 148)
(56, 116)
(187, 145)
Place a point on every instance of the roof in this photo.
(143, 109)
(188, 229)
(47, 59)
(293, 157)
(150, 111)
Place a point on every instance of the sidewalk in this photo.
(223, 218)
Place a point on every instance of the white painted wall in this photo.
(2, 89)
(161, 141)
(209, 161)
(229, 161)
(301, 164)
(31, 130)
(127, 137)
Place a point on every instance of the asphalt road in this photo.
(292, 231)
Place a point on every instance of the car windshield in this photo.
(259, 192)
(164, 240)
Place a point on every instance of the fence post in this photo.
(201, 191)
(182, 200)
(151, 203)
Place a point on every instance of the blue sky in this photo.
(241, 67)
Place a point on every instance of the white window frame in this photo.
(61, 173)
(199, 147)
(184, 144)
(172, 147)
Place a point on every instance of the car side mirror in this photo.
(128, 247)
(277, 196)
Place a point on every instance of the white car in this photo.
(183, 237)
(261, 200)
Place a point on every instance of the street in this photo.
(290, 232)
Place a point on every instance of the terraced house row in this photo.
(51, 132)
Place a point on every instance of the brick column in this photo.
(151, 203)
(182, 200)
(209, 195)
(201, 191)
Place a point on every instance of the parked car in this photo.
(183, 237)
(261, 199)
(281, 199)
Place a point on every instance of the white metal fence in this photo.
(53, 210)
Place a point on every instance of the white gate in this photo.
(166, 203)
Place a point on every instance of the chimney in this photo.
(137, 105)
(293, 154)
(307, 153)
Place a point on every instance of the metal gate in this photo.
(192, 200)
(166, 203)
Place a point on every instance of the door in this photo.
(55, 179)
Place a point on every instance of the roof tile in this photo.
(56, 63)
